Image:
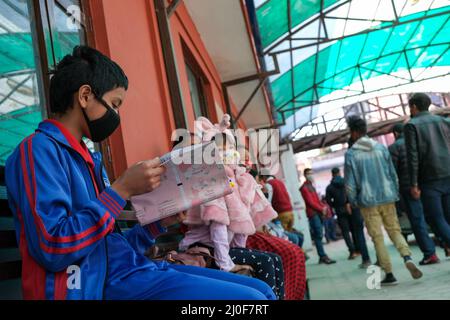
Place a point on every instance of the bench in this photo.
(166, 242)
(10, 260)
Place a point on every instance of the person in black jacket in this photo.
(427, 140)
(350, 221)
(412, 206)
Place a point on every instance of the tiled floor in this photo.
(344, 280)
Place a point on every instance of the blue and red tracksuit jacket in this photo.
(64, 212)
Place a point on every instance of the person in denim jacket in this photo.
(372, 185)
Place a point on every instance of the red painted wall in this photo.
(127, 31)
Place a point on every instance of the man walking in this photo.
(314, 209)
(413, 207)
(427, 140)
(372, 185)
(349, 220)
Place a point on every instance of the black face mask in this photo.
(103, 127)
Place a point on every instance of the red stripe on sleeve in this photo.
(32, 202)
(113, 201)
(61, 285)
(80, 246)
(33, 275)
(108, 205)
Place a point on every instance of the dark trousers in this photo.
(330, 229)
(416, 216)
(267, 265)
(357, 223)
(345, 224)
(436, 203)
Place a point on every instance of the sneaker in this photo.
(430, 260)
(412, 268)
(389, 280)
(365, 265)
(326, 260)
(447, 251)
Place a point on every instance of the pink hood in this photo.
(246, 208)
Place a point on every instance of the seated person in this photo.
(222, 225)
(275, 227)
(65, 209)
(293, 259)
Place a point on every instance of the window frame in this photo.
(201, 81)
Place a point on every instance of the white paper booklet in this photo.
(183, 185)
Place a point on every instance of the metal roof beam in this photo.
(347, 69)
(447, 12)
(290, 33)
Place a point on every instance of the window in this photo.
(197, 94)
(24, 71)
(64, 27)
(197, 84)
(20, 100)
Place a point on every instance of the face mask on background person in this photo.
(310, 178)
(102, 128)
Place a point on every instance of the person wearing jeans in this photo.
(315, 223)
(329, 222)
(436, 201)
(372, 185)
(349, 220)
(412, 206)
(427, 140)
(415, 212)
(315, 208)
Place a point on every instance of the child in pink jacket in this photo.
(226, 222)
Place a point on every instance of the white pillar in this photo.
(291, 178)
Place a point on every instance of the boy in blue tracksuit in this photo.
(65, 209)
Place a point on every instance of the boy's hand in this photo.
(142, 177)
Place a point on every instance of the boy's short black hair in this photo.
(85, 66)
(356, 124)
(306, 171)
(420, 100)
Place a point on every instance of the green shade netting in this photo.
(16, 55)
(16, 50)
(418, 44)
(16, 125)
(273, 19)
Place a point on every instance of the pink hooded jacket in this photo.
(234, 216)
